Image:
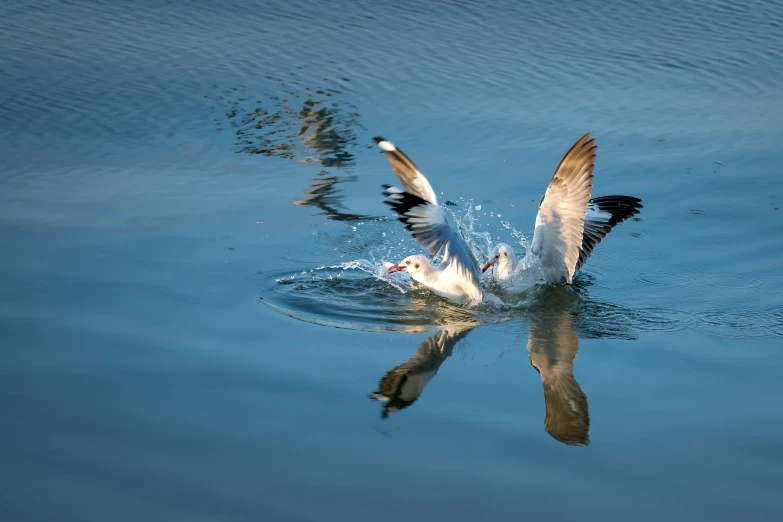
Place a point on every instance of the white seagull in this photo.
(457, 275)
(569, 224)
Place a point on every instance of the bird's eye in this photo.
(497, 256)
(417, 265)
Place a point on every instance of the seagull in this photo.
(569, 224)
(457, 276)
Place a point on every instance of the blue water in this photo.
(191, 317)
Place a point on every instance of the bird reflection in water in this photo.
(324, 193)
(552, 346)
(403, 384)
(554, 316)
(310, 125)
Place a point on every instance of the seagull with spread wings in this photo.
(569, 224)
(456, 277)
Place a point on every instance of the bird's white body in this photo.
(442, 280)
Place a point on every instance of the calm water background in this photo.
(166, 168)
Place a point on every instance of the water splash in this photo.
(377, 270)
(479, 241)
(363, 288)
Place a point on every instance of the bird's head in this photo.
(411, 264)
(500, 256)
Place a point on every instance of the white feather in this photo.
(387, 146)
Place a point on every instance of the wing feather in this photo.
(407, 172)
(603, 213)
(557, 238)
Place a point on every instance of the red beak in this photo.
(396, 268)
(486, 267)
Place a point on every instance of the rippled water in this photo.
(196, 323)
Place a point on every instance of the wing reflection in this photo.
(555, 317)
(402, 385)
(324, 194)
(312, 125)
(553, 343)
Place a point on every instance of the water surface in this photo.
(194, 322)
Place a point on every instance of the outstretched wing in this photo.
(561, 215)
(418, 208)
(410, 176)
(602, 215)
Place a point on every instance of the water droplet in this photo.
(478, 207)
(383, 234)
(500, 215)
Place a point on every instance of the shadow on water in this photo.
(308, 125)
(553, 316)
